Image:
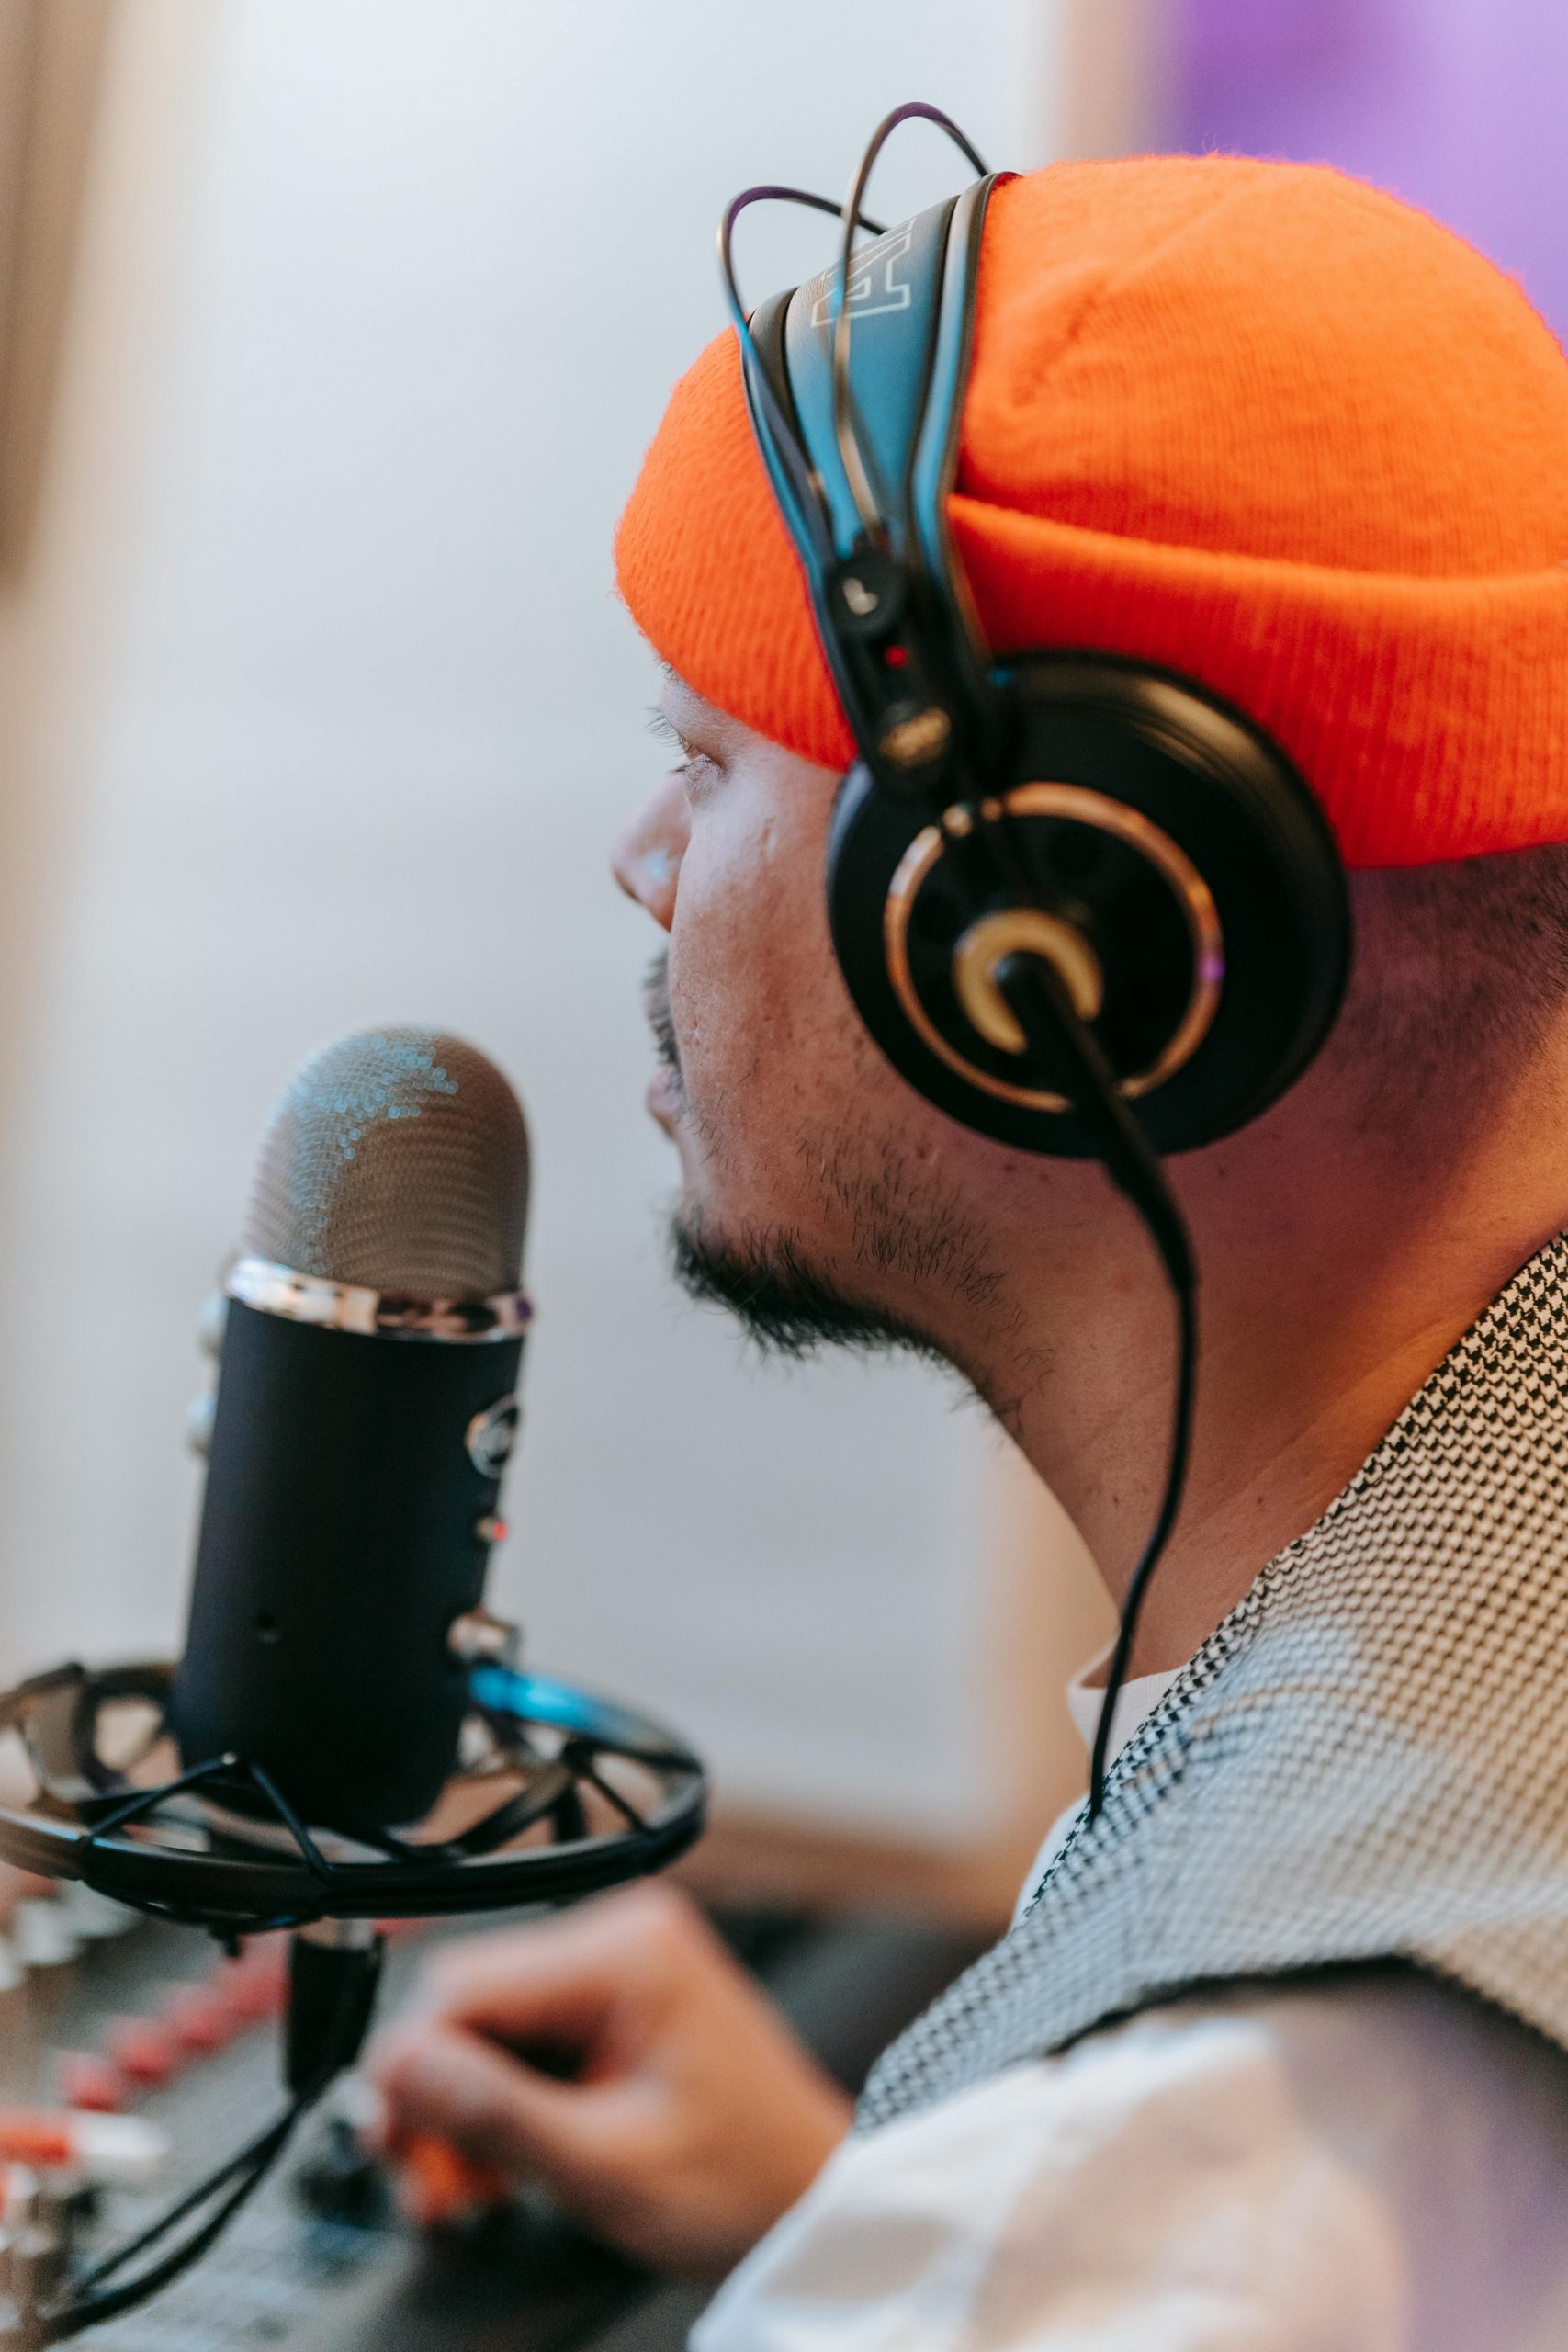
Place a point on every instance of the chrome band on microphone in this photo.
(374, 1314)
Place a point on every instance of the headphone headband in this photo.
(862, 464)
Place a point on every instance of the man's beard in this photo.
(779, 1302)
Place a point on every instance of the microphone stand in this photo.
(254, 1866)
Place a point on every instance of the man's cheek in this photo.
(723, 1031)
(719, 959)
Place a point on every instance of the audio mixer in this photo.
(153, 2022)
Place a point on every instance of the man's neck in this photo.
(1317, 1325)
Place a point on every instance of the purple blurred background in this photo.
(1456, 104)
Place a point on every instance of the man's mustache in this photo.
(656, 1004)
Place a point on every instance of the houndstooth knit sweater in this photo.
(1367, 1760)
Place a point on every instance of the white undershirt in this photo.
(1377, 2165)
(1135, 1701)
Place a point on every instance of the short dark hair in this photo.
(1460, 966)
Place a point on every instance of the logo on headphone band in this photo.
(875, 284)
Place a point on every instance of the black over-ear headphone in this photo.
(1081, 904)
(1149, 847)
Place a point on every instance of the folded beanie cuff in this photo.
(1430, 717)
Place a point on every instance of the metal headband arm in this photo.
(852, 453)
(804, 481)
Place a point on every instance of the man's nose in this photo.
(645, 861)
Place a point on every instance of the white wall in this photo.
(358, 718)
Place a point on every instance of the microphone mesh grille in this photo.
(398, 1160)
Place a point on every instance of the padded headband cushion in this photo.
(1256, 423)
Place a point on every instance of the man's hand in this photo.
(690, 2118)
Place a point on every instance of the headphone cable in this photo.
(1038, 996)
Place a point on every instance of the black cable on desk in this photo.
(336, 2032)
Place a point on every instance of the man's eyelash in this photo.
(668, 732)
(693, 765)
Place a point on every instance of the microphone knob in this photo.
(477, 1638)
(490, 1437)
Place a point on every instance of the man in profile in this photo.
(1274, 2054)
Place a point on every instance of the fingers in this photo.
(561, 1979)
(462, 2116)
(439, 2081)
(693, 2119)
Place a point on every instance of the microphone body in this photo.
(347, 1525)
(366, 1409)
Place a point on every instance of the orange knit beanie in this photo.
(1256, 423)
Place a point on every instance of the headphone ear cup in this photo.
(1184, 883)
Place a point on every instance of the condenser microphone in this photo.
(365, 1408)
(358, 1739)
